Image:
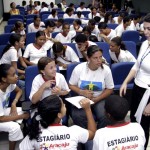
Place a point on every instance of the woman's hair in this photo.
(81, 38)
(17, 25)
(11, 4)
(24, 3)
(147, 18)
(39, 33)
(53, 11)
(78, 21)
(117, 40)
(43, 62)
(93, 49)
(106, 17)
(50, 23)
(68, 10)
(102, 25)
(51, 4)
(36, 17)
(3, 70)
(79, 13)
(12, 40)
(48, 110)
(117, 107)
(93, 38)
(57, 48)
(87, 28)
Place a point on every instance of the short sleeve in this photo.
(27, 51)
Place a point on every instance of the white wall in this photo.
(6, 3)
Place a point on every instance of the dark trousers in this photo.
(137, 95)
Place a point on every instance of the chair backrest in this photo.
(28, 21)
(44, 17)
(85, 13)
(17, 17)
(30, 73)
(44, 12)
(105, 47)
(30, 38)
(112, 25)
(60, 15)
(30, 16)
(8, 28)
(69, 20)
(1, 49)
(131, 47)
(13, 21)
(120, 72)
(131, 36)
(54, 34)
(4, 38)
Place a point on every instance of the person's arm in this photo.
(28, 62)
(126, 81)
(14, 64)
(22, 62)
(18, 92)
(85, 104)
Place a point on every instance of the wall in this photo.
(1, 10)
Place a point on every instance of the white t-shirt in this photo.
(70, 56)
(51, 17)
(4, 98)
(44, 9)
(123, 137)
(133, 26)
(35, 54)
(116, 20)
(58, 138)
(78, 50)
(72, 28)
(80, 9)
(58, 29)
(124, 56)
(91, 17)
(119, 30)
(142, 68)
(65, 39)
(97, 80)
(31, 27)
(10, 55)
(76, 17)
(38, 81)
(21, 32)
(67, 16)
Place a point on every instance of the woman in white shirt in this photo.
(53, 14)
(93, 13)
(69, 13)
(35, 51)
(63, 54)
(118, 52)
(140, 106)
(76, 26)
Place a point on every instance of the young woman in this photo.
(8, 115)
(35, 51)
(93, 13)
(69, 13)
(37, 25)
(76, 26)
(50, 112)
(12, 52)
(118, 52)
(13, 10)
(48, 82)
(63, 54)
(93, 80)
(108, 18)
(140, 106)
(66, 35)
(53, 14)
(19, 28)
(79, 15)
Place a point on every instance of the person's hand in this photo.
(85, 103)
(102, 35)
(56, 90)
(87, 93)
(123, 89)
(13, 110)
(146, 111)
(48, 84)
(83, 48)
(25, 115)
(64, 65)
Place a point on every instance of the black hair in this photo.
(126, 19)
(48, 110)
(17, 25)
(51, 5)
(12, 40)
(61, 20)
(35, 17)
(106, 17)
(97, 19)
(57, 48)
(93, 49)
(4, 70)
(39, 33)
(87, 28)
(24, 3)
(102, 25)
(147, 18)
(80, 38)
(68, 10)
(11, 4)
(117, 40)
(43, 62)
(82, 3)
(79, 13)
(117, 107)
(64, 24)
(92, 22)
(71, 5)
(50, 23)
(93, 38)
(78, 21)
(59, 5)
(53, 11)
